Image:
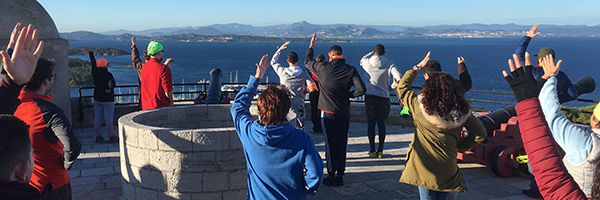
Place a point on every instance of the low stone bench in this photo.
(187, 152)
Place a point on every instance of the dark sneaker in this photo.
(534, 194)
(113, 139)
(339, 181)
(379, 154)
(330, 181)
(584, 85)
(99, 139)
(373, 154)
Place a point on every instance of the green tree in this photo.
(80, 73)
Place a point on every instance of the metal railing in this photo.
(180, 96)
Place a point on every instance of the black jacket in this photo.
(22, 191)
(103, 80)
(335, 81)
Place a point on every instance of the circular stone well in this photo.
(188, 152)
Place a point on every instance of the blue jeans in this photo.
(103, 110)
(371, 134)
(427, 194)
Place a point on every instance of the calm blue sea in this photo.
(485, 59)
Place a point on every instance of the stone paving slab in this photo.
(96, 173)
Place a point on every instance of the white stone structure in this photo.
(189, 152)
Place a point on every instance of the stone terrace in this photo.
(97, 175)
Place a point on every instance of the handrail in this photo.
(204, 89)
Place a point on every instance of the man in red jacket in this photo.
(54, 143)
(157, 84)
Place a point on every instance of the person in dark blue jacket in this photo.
(567, 91)
(282, 161)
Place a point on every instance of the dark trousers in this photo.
(61, 193)
(371, 134)
(335, 128)
(315, 113)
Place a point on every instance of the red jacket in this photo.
(156, 81)
(544, 155)
(55, 145)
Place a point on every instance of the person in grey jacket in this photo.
(378, 71)
(296, 80)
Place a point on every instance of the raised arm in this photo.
(463, 75)
(522, 48)
(136, 61)
(546, 163)
(19, 66)
(309, 62)
(365, 58)
(275, 60)
(575, 140)
(240, 110)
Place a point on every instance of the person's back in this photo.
(335, 81)
(157, 83)
(282, 162)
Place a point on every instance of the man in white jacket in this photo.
(378, 71)
(297, 81)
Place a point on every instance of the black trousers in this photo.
(335, 128)
(315, 113)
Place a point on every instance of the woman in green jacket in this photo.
(440, 112)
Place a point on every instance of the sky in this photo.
(109, 15)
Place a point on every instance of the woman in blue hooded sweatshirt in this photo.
(282, 161)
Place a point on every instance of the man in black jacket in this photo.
(336, 78)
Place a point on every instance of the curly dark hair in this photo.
(441, 93)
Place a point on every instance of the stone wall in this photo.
(187, 152)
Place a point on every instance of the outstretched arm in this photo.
(365, 58)
(463, 75)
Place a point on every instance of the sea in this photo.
(485, 59)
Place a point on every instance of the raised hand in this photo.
(424, 61)
(14, 35)
(550, 69)
(133, 40)
(523, 84)
(284, 46)
(169, 61)
(460, 60)
(312, 41)
(21, 65)
(262, 67)
(532, 32)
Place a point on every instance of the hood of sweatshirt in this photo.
(454, 119)
(271, 135)
(378, 61)
(293, 71)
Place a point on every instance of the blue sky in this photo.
(108, 15)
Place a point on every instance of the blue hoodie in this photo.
(282, 161)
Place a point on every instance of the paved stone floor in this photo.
(96, 173)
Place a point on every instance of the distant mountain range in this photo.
(347, 31)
